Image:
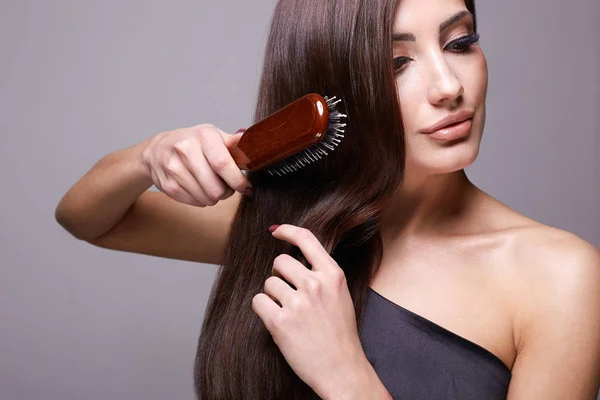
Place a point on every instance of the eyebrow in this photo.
(397, 37)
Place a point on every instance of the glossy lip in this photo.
(449, 119)
(452, 132)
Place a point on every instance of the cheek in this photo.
(473, 75)
(484, 75)
(410, 99)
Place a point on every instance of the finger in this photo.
(265, 308)
(175, 191)
(176, 170)
(232, 140)
(308, 244)
(290, 269)
(228, 193)
(221, 160)
(186, 198)
(191, 154)
(278, 290)
(172, 189)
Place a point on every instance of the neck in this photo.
(429, 205)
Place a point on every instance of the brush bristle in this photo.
(314, 153)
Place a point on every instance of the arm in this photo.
(104, 194)
(559, 351)
(159, 226)
(110, 207)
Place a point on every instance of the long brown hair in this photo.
(337, 48)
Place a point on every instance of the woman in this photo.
(391, 274)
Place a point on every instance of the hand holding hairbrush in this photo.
(202, 165)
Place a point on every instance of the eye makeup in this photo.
(458, 46)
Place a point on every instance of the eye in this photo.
(462, 44)
(400, 62)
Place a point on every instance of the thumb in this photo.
(232, 140)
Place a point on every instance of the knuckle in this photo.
(182, 146)
(303, 231)
(219, 163)
(173, 167)
(313, 285)
(297, 302)
(304, 234)
(206, 134)
(338, 276)
(278, 320)
(215, 192)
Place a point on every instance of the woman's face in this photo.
(439, 73)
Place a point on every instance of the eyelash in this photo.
(461, 45)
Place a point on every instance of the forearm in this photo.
(100, 199)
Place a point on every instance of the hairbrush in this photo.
(292, 137)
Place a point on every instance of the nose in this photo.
(445, 87)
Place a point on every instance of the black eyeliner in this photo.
(462, 43)
(465, 41)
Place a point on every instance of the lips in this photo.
(452, 132)
(449, 120)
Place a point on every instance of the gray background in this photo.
(79, 80)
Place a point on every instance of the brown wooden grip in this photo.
(286, 132)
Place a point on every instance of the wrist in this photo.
(138, 166)
(360, 382)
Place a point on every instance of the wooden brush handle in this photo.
(282, 134)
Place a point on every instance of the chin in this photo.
(454, 156)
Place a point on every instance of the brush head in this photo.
(293, 137)
(334, 133)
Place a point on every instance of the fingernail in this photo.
(241, 130)
(272, 228)
(248, 191)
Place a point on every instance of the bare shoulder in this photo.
(552, 255)
(532, 244)
(553, 289)
(556, 314)
(539, 240)
(559, 271)
(549, 268)
(553, 274)
(553, 270)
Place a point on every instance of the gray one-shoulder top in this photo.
(417, 359)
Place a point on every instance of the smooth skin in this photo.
(527, 292)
